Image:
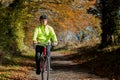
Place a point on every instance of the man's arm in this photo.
(54, 37)
(35, 34)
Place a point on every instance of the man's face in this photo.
(43, 22)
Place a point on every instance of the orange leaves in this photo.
(17, 68)
(19, 73)
(63, 16)
(12, 72)
(87, 3)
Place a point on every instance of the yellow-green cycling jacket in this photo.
(44, 34)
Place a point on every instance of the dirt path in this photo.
(65, 69)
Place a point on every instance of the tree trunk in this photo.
(110, 22)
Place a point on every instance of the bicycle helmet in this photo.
(43, 17)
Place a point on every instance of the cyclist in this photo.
(43, 33)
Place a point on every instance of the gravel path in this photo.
(65, 69)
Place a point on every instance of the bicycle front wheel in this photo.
(45, 72)
(48, 67)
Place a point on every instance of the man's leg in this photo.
(49, 54)
(39, 50)
(48, 50)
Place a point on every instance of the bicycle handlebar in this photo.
(44, 43)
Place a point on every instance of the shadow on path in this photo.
(65, 63)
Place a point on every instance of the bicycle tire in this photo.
(42, 71)
(45, 71)
(48, 67)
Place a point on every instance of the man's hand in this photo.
(34, 43)
(54, 43)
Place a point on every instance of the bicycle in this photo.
(44, 63)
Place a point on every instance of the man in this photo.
(43, 33)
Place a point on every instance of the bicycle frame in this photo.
(44, 65)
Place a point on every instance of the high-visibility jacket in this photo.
(44, 34)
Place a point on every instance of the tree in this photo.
(13, 18)
(110, 22)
